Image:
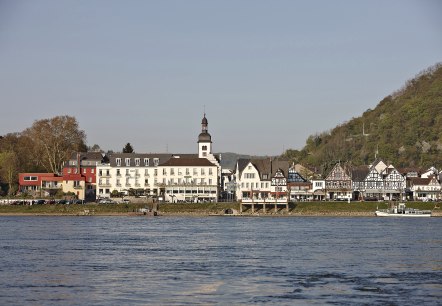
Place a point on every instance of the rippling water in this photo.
(220, 260)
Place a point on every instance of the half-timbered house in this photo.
(338, 183)
(394, 184)
(298, 187)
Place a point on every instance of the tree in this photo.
(128, 148)
(94, 148)
(9, 169)
(54, 140)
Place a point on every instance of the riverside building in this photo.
(168, 177)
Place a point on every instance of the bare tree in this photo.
(54, 140)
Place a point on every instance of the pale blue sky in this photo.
(270, 73)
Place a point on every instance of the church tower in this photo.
(204, 140)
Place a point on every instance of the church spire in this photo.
(204, 124)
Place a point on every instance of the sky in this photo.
(268, 74)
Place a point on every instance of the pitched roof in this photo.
(87, 155)
(420, 181)
(358, 174)
(161, 157)
(187, 162)
(242, 164)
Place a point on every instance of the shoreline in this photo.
(202, 214)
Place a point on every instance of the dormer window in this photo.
(137, 162)
(118, 161)
(156, 161)
(127, 162)
(146, 162)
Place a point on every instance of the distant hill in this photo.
(404, 129)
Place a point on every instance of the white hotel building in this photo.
(169, 177)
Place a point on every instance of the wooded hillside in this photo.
(404, 129)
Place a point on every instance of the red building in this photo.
(80, 173)
(78, 177)
(40, 184)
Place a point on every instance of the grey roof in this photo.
(360, 173)
(204, 137)
(241, 164)
(162, 158)
(188, 162)
(266, 166)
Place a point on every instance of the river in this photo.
(220, 261)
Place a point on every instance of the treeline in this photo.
(405, 129)
(41, 148)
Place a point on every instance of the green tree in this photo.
(128, 148)
(9, 169)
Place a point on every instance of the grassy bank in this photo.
(300, 208)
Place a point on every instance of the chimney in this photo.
(78, 163)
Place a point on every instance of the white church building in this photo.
(168, 177)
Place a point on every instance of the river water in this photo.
(220, 261)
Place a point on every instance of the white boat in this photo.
(401, 211)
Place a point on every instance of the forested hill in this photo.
(405, 129)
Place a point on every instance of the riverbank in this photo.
(341, 209)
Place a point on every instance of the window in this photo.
(249, 175)
(156, 161)
(92, 170)
(210, 171)
(204, 148)
(146, 162)
(202, 171)
(210, 181)
(137, 162)
(146, 172)
(118, 172)
(127, 172)
(127, 162)
(118, 161)
(155, 173)
(187, 171)
(84, 170)
(164, 171)
(30, 178)
(172, 171)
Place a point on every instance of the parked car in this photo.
(106, 201)
(40, 202)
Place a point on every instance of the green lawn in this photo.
(202, 208)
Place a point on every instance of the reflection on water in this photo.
(128, 260)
